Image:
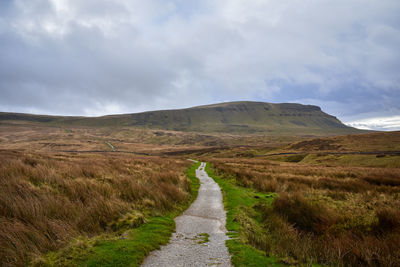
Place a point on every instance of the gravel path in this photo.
(187, 246)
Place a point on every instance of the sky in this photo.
(97, 57)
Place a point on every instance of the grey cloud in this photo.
(95, 57)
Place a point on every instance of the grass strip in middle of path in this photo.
(128, 249)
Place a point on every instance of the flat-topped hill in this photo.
(231, 117)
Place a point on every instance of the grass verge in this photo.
(243, 222)
(122, 249)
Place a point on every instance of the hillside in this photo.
(370, 142)
(232, 117)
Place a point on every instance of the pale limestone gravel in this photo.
(205, 215)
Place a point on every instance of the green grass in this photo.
(240, 204)
(194, 182)
(204, 238)
(247, 256)
(117, 251)
(128, 249)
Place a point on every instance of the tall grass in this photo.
(342, 216)
(47, 199)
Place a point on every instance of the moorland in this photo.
(299, 187)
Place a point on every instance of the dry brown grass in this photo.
(22, 136)
(381, 141)
(334, 215)
(47, 199)
(342, 216)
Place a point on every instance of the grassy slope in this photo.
(367, 142)
(383, 149)
(239, 203)
(387, 161)
(234, 117)
(129, 249)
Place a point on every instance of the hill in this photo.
(231, 117)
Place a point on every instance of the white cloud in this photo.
(378, 123)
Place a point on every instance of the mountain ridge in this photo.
(227, 117)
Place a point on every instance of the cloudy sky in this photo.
(96, 57)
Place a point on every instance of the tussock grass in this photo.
(47, 200)
(304, 215)
(341, 216)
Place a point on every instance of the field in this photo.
(46, 200)
(325, 210)
(68, 199)
(23, 136)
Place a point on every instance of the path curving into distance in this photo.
(187, 246)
